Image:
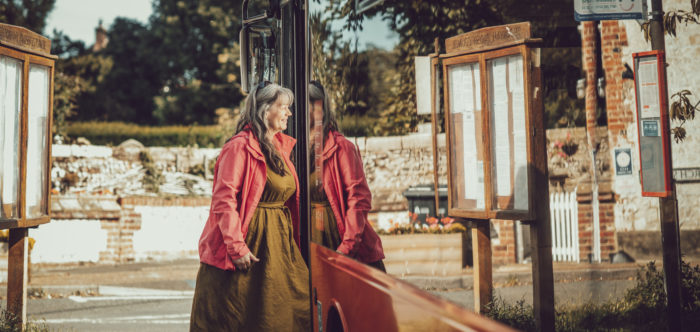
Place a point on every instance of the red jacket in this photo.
(240, 175)
(348, 194)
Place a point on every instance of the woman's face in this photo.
(277, 115)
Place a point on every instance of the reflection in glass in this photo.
(340, 195)
(37, 141)
(508, 133)
(10, 108)
(466, 118)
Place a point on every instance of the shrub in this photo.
(114, 133)
(643, 307)
(10, 323)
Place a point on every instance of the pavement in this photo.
(89, 279)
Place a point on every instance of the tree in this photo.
(198, 43)
(30, 14)
(136, 76)
(418, 23)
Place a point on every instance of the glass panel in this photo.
(37, 141)
(10, 110)
(508, 133)
(465, 121)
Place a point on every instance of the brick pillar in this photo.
(503, 246)
(613, 39)
(120, 237)
(590, 61)
(606, 213)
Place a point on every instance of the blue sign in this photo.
(623, 161)
(650, 128)
(599, 10)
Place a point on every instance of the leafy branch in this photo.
(682, 109)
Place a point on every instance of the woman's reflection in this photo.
(341, 200)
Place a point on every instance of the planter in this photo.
(423, 254)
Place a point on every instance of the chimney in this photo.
(101, 39)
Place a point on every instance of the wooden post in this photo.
(483, 277)
(541, 227)
(17, 274)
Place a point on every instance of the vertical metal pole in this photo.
(668, 206)
(590, 63)
(17, 275)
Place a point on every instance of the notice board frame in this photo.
(29, 48)
(480, 47)
(662, 126)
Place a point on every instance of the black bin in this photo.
(421, 201)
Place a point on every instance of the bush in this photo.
(114, 133)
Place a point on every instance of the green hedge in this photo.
(114, 133)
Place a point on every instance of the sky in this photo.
(79, 18)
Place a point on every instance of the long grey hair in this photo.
(255, 111)
(317, 92)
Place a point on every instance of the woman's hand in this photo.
(244, 263)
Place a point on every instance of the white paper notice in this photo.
(465, 99)
(458, 90)
(473, 188)
(649, 88)
(515, 68)
(500, 135)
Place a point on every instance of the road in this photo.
(140, 309)
(148, 312)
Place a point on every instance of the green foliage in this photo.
(153, 177)
(643, 307)
(126, 90)
(10, 323)
(197, 42)
(519, 315)
(114, 133)
(29, 14)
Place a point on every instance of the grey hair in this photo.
(329, 121)
(257, 104)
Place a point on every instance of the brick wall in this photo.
(606, 214)
(503, 246)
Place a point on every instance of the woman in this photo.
(252, 276)
(341, 199)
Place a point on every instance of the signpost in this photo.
(652, 123)
(497, 167)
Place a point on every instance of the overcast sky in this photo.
(79, 18)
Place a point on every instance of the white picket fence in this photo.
(563, 210)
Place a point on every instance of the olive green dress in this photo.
(273, 295)
(324, 228)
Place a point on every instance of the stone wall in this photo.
(392, 164)
(632, 212)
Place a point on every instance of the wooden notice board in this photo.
(489, 99)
